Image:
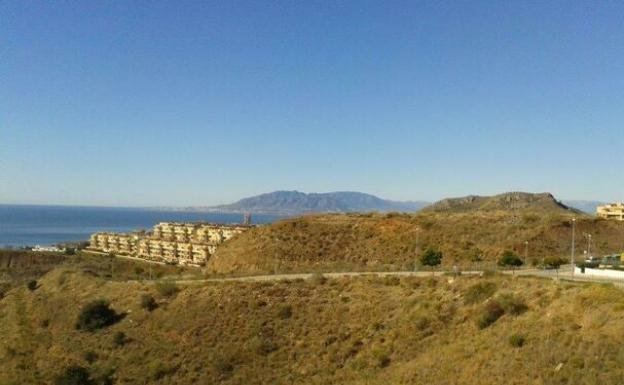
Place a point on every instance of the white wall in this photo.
(613, 274)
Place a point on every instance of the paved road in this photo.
(293, 276)
(563, 274)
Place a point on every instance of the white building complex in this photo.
(611, 211)
(170, 242)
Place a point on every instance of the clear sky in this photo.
(179, 103)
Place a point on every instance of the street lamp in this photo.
(572, 256)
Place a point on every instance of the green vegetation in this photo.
(479, 292)
(517, 340)
(377, 242)
(120, 339)
(554, 263)
(32, 285)
(490, 313)
(512, 304)
(167, 289)
(510, 259)
(96, 315)
(148, 302)
(353, 330)
(431, 258)
(74, 375)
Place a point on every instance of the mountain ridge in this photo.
(296, 203)
(509, 201)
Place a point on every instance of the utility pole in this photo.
(572, 256)
(589, 246)
(526, 251)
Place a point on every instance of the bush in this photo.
(167, 289)
(32, 285)
(512, 304)
(285, 312)
(431, 258)
(224, 367)
(96, 315)
(516, 340)
(90, 356)
(554, 262)
(491, 312)
(510, 259)
(74, 375)
(157, 370)
(148, 302)
(393, 280)
(263, 346)
(120, 339)
(479, 292)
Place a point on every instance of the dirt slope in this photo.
(393, 241)
(343, 331)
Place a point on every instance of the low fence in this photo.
(603, 273)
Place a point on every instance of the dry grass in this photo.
(362, 330)
(394, 241)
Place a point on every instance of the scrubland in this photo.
(344, 242)
(361, 330)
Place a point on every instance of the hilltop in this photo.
(543, 203)
(394, 241)
(295, 203)
(371, 330)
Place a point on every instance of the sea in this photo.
(27, 225)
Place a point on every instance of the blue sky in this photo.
(198, 103)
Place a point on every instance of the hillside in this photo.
(295, 202)
(543, 203)
(394, 241)
(361, 330)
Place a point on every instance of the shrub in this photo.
(167, 289)
(96, 315)
(90, 356)
(491, 312)
(224, 367)
(516, 340)
(148, 302)
(512, 304)
(391, 280)
(32, 285)
(554, 262)
(285, 312)
(263, 346)
(431, 258)
(510, 259)
(479, 292)
(157, 370)
(74, 375)
(120, 339)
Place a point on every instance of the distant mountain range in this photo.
(585, 206)
(296, 203)
(289, 203)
